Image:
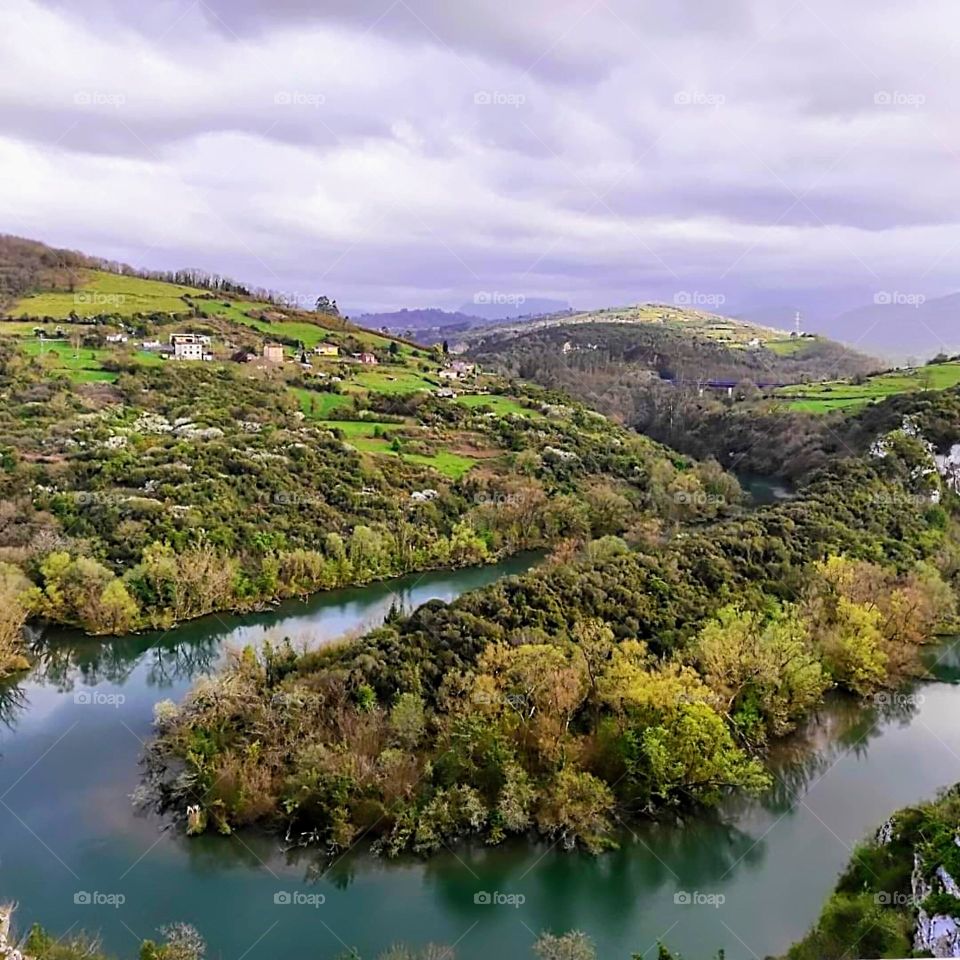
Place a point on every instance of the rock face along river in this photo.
(750, 879)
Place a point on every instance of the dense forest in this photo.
(601, 357)
(747, 432)
(652, 378)
(614, 682)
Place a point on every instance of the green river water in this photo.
(749, 878)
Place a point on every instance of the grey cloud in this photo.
(587, 151)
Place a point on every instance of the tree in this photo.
(325, 305)
(762, 668)
(576, 809)
(574, 945)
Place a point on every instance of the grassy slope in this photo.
(823, 397)
(106, 293)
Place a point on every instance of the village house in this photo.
(368, 358)
(326, 350)
(448, 374)
(273, 352)
(190, 346)
(116, 338)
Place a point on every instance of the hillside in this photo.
(141, 484)
(671, 342)
(856, 393)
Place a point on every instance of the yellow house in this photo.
(273, 352)
(326, 350)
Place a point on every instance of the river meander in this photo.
(750, 878)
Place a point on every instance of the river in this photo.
(750, 878)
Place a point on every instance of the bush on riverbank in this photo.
(14, 588)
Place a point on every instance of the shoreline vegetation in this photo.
(612, 684)
(898, 895)
(182, 942)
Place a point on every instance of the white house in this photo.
(190, 346)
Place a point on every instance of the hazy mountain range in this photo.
(898, 327)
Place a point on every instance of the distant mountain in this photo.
(427, 318)
(902, 326)
(495, 306)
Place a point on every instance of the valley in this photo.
(182, 455)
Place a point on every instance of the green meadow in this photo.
(845, 395)
(102, 292)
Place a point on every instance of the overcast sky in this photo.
(426, 152)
